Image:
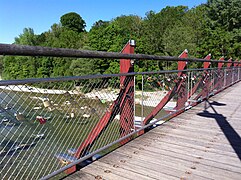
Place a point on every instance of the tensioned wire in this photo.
(34, 131)
(54, 140)
(50, 163)
(39, 148)
(64, 150)
(108, 133)
(35, 146)
(96, 143)
(76, 78)
(10, 141)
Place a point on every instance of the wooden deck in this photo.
(198, 144)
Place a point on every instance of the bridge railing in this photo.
(51, 126)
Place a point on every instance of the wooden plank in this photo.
(192, 165)
(196, 145)
(156, 170)
(196, 135)
(174, 157)
(81, 175)
(139, 166)
(110, 172)
(206, 143)
(226, 162)
(100, 171)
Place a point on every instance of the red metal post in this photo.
(182, 93)
(235, 64)
(218, 81)
(220, 64)
(123, 105)
(204, 80)
(127, 104)
(182, 64)
(228, 72)
(207, 64)
(229, 64)
(170, 94)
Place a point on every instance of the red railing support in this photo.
(127, 104)
(204, 80)
(123, 105)
(176, 89)
(229, 64)
(182, 93)
(218, 82)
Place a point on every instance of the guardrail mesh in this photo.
(43, 124)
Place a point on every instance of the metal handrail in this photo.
(72, 78)
(23, 50)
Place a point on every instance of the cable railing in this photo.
(53, 126)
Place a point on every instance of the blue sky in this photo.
(15, 15)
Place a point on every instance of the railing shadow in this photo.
(232, 136)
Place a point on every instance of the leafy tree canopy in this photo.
(73, 21)
(214, 27)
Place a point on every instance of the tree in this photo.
(225, 14)
(27, 38)
(73, 21)
(154, 27)
(186, 33)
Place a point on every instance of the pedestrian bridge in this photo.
(164, 124)
(202, 143)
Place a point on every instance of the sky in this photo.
(15, 15)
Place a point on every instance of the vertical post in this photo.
(218, 80)
(225, 78)
(142, 98)
(236, 70)
(188, 82)
(182, 64)
(182, 93)
(134, 104)
(220, 64)
(127, 85)
(124, 104)
(206, 80)
(228, 73)
(239, 66)
(207, 64)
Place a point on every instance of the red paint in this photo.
(236, 63)
(220, 64)
(182, 64)
(123, 105)
(127, 103)
(207, 64)
(205, 80)
(229, 64)
(182, 93)
(176, 89)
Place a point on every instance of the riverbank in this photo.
(151, 99)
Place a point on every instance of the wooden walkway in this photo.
(202, 143)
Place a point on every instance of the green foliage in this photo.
(73, 21)
(27, 38)
(225, 14)
(214, 27)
